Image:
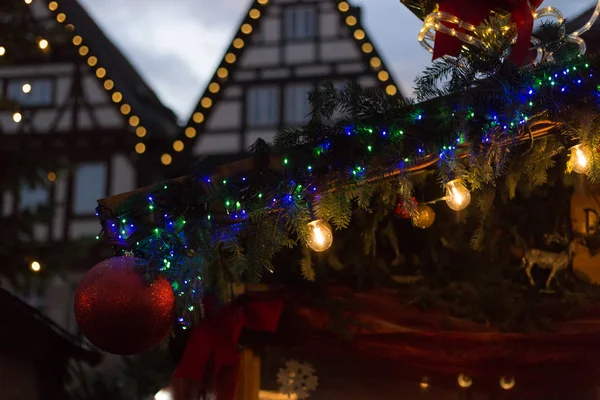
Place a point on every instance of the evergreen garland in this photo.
(500, 128)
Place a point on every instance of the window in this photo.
(31, 198)
(263, 106)
(30, 92)
(300, 22)
(90, 185)
(297, 107)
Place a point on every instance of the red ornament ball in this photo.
(120, 312)
(402, 210)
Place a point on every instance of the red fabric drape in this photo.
(212, 349)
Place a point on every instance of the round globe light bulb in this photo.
(458, 196)
(320, 236)
(464, 381)
(35, 266)
(580, 158)
(163, 394)
(507, 383)
(26, 88)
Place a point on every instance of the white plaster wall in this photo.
(300, 53)
(329, 25)
(108, 116)
(233, 92)
(123, 175)
(339, 50)
(60, 197)
(260, 56)
(226, 115)
(221, 143)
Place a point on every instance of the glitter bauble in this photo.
(423, 217)
(119, 311)
(402, 210)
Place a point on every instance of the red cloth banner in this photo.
(212, 350)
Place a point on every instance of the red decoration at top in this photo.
(475, 12)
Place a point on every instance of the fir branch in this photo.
(306, 265)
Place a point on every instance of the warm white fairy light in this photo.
(2, 51)
(43, 44)
(320, 236)
(580, 158)
(17, 117)
(507, 383)
(26, 88)
(35, 266)
(28, 1)
(458, 196)
(464, 381)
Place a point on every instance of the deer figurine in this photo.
(549, 260)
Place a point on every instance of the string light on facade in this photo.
(2, 51)
(51, 176)
(35, 266)
(28, 1)
(26, 88)
(464, 381)
(17, 117)
(178, 145)
(424, 384)
(190, 132)
(320, 236)
(507, 383)
(458, 196)
(580, 158)
(140, 131)
(343, 6)
(166, 159)
(140, 148)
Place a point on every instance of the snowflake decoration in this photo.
(297, 379)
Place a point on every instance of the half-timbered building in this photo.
(281, 51)
(82, 103)
(80, 111)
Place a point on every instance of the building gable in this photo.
(282, 50)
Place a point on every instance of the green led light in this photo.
(151, 207)
(260, 195)
(370, 148)
(227, 203)
(587, 65)
(156, 230)
(530, 104)
(123, 232)
(238, 204)
(406, 160)
(208, 217)
(309, 168)
(353, 172)
(552, 83)
(401, 132)
(285, 161)
(97, 237)
(164, 187)
(191, 308)
(224, 181)
(123, 220)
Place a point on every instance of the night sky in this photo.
(177, 44)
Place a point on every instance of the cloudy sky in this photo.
(177, 44)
